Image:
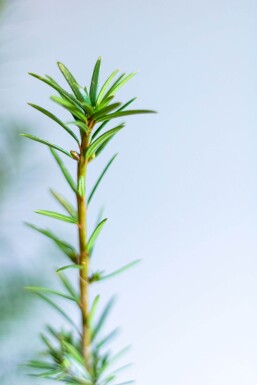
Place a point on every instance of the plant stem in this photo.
(84, 255)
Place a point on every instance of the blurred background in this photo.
(181, 195)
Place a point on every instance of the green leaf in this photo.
(120, 369)
(81, 125)
(75, 354)
(121, 270)
(40, 365)
(57, 120)
(71, 81)
(105, 102)
(53, 352)
(105, 86)
(103, 111)
(52, 83)
(102, 147)
(127, 104)
(74, 266)
(95, 234)
(47, 144)
(98, 220)
(118, 114)
(100, 178)
(64, 170)
(106, 121)
(110, 91)
(107, 339)
(79, 383)
(89, 109)
(39, 289)
(48, 374)
(54, 333)
(118, 355)
(109, 379)
(118, 84)
(94, 82)
(65, 204)
(102, 319)
(59, 310)
(94, 146)
(69, 250)
(84, 93)
(53, 214)
(67, 284)
(74, 110)
(121, 83)
(104, 364)
(75, 380)
(91, 314)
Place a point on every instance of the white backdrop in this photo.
(182, 193)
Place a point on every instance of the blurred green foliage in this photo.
(14, 302)
(2, 3)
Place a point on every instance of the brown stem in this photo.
(83, 255)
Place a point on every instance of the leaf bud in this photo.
(75, 155)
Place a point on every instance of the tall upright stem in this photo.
(83, 255)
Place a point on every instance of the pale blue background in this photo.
(182, 195)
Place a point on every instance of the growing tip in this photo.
(60, 65)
